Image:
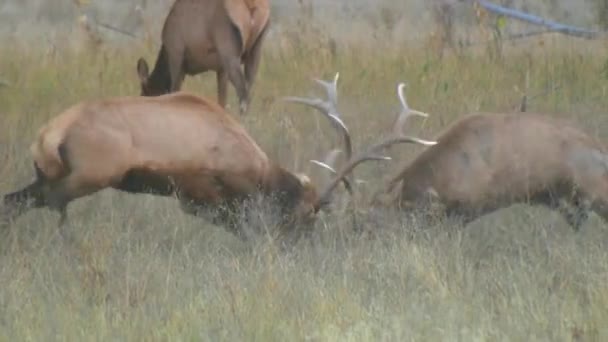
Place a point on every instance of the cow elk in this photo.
(171, 145)
(488, 161)
(203, 35)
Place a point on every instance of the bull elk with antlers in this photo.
(203, 35)
(488, 161)
(170, 145)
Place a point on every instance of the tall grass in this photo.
(139, 269)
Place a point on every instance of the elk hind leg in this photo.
(229, 49)
(252, 60)
(237, 78)
(17, 203)
(222, 87)
(60, 193)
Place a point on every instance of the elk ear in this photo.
(142, 70)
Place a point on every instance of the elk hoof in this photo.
(243, 107)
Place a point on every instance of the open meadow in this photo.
(142, 270)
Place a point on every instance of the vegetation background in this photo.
(140, 269)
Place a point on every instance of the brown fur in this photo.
(485, 162)
(202, 35)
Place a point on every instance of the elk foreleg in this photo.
(576, 214)
(175, 60)
(145, 182)
(571, 205)
(220, 214)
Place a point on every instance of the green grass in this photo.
(142, 270)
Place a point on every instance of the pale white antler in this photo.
(330, 160)
(406, 111)
(329, 164)
(372, 153)
(329, 108)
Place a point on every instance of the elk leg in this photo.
(60, 193)
(142, 182)
(458, 217)
(577, 214)
(227, 217)
(252, 59)
(19, 202)
(218, 214)
(222, 87)
(235, 74)
(229, 43)
(574, 209)
(176, 60)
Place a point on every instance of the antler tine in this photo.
(325, 194)
(328, 109)
(332, 91)
(329, 164)
(369, 155)
(320, 105)
(330, 158)
(406, 111)
(330, 106)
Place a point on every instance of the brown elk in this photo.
(170, 145)
(488, 161)
(203, 35)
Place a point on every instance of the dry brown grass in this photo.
(142, 270)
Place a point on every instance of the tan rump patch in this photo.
(250, 16)
(45, 151)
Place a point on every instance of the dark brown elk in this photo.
(170, 145)
(203, 35)
(488, 161)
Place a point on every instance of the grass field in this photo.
(142, 270)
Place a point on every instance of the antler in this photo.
(406, 111)
(329, 161)
(329, 164)
(397, 137)
(328, 108)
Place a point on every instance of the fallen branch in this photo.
(539, 21)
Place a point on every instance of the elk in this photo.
(203, 35)
(488, 161)
(170, 145)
